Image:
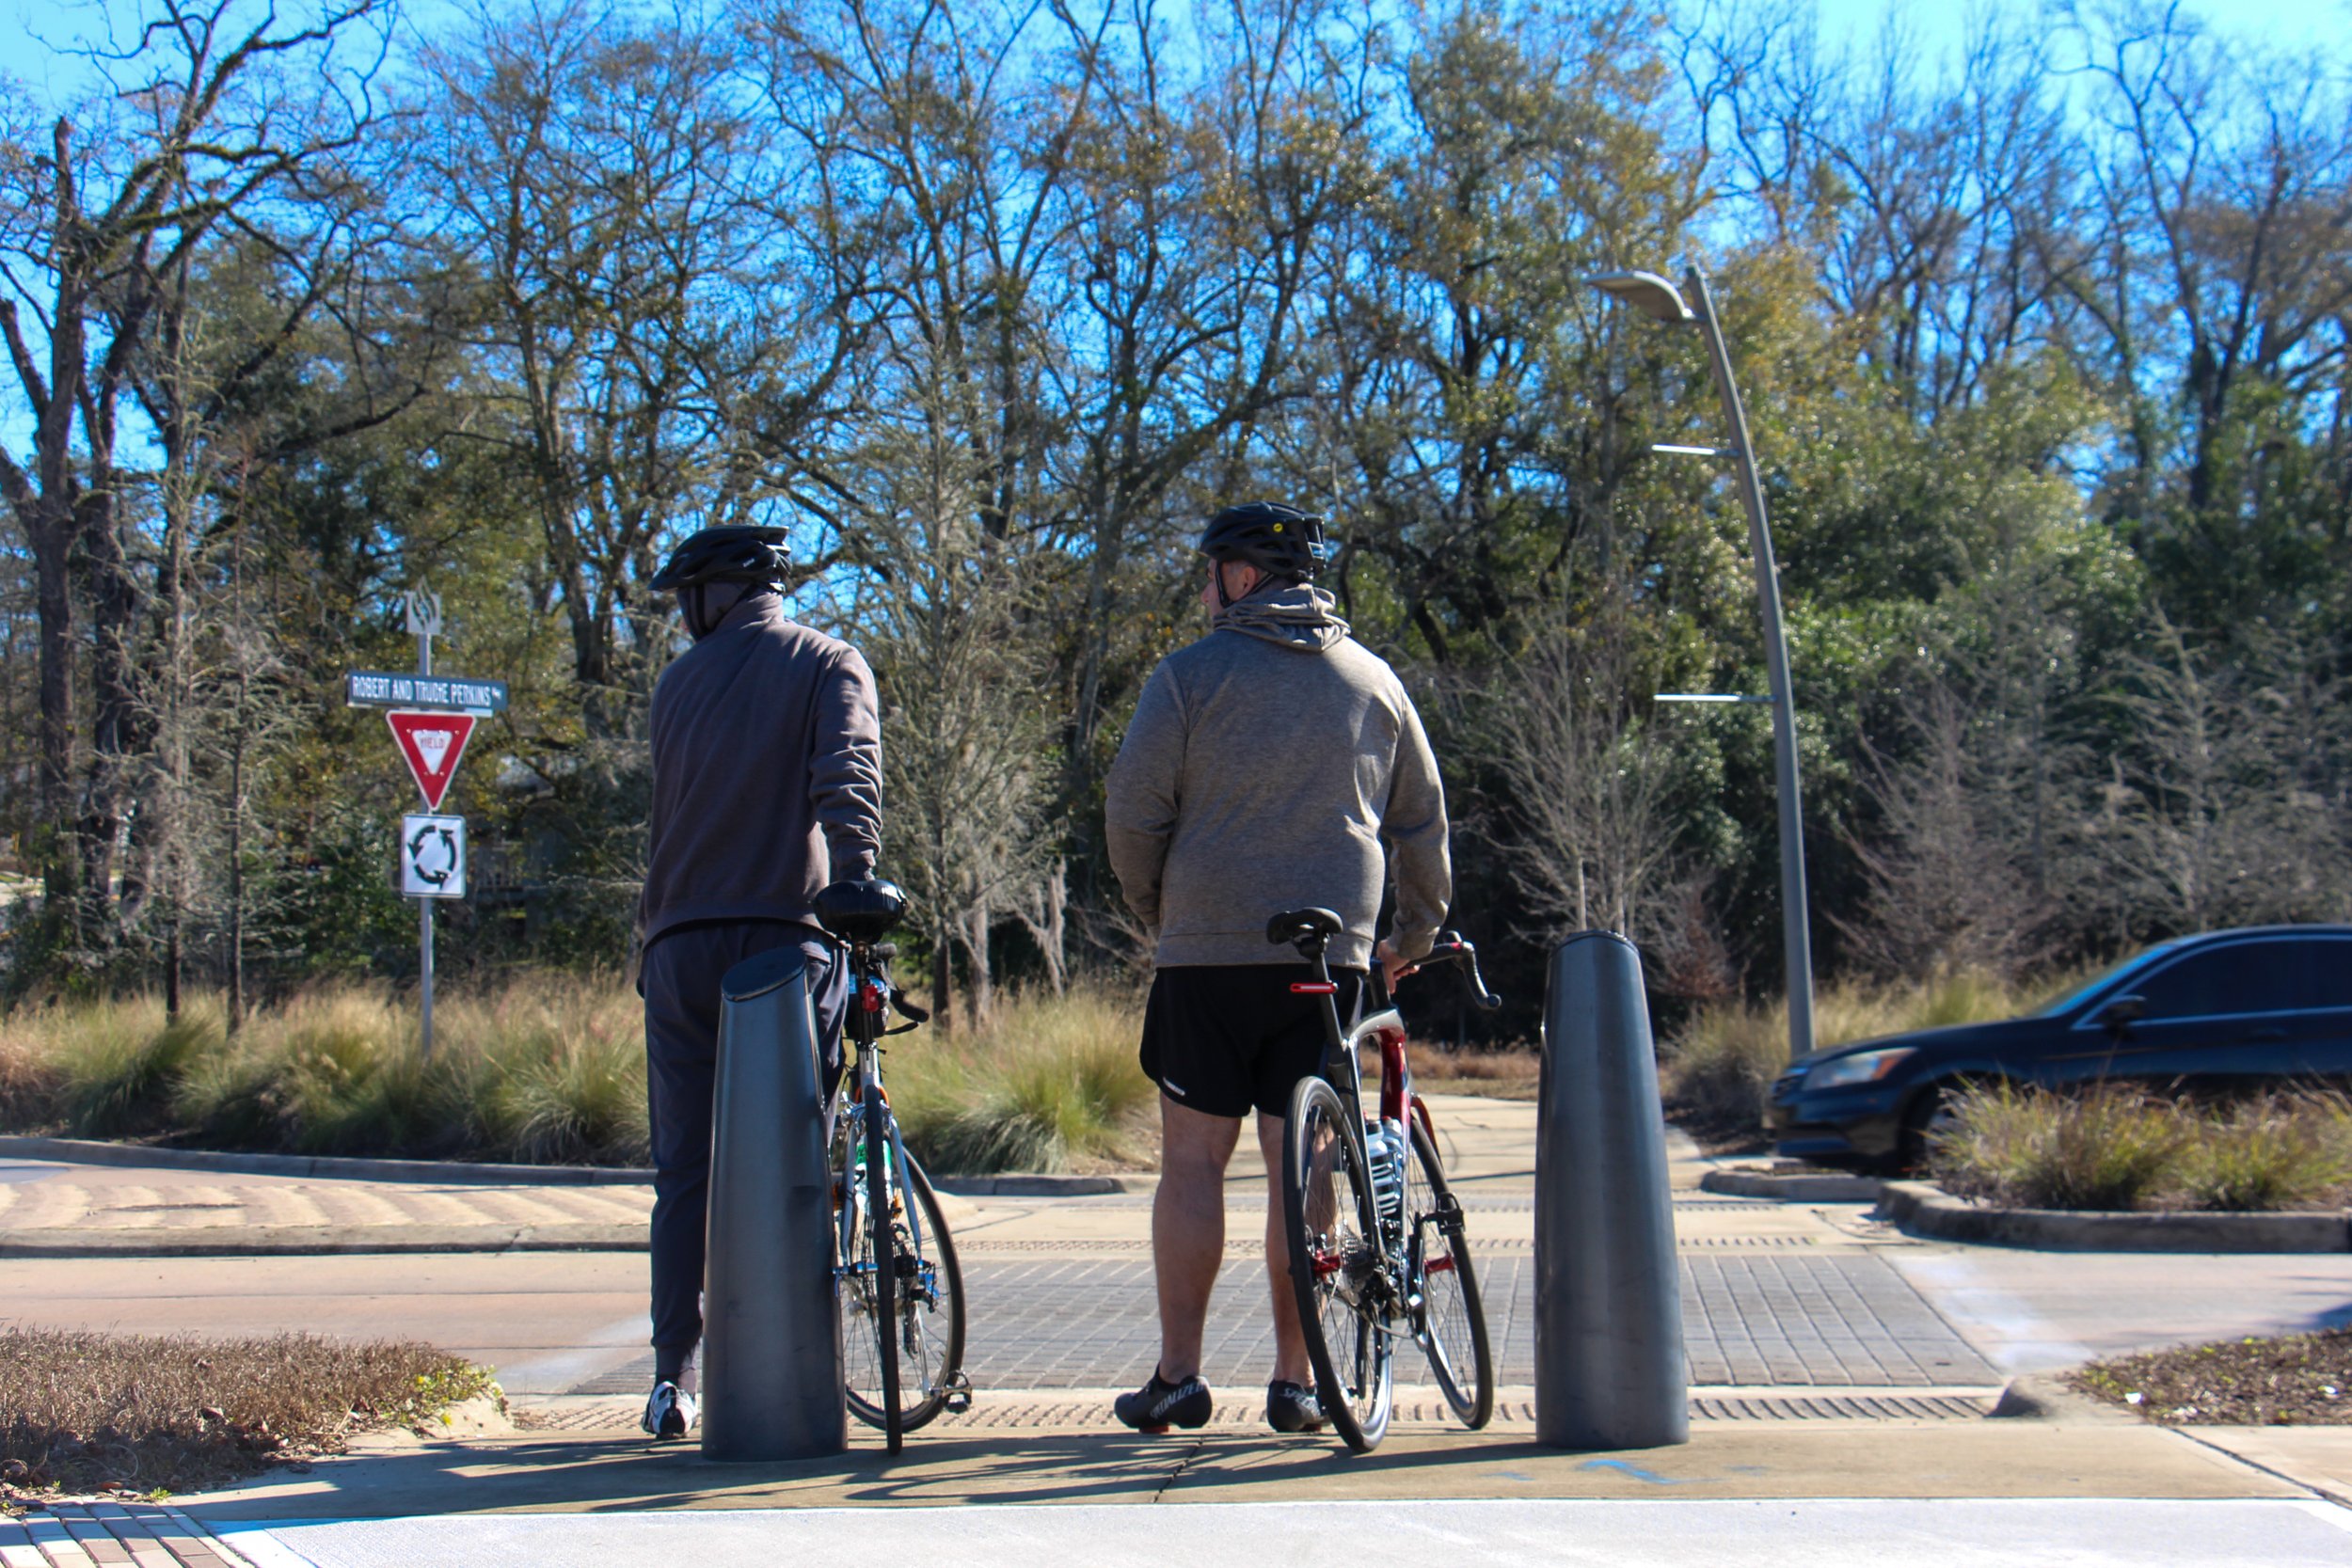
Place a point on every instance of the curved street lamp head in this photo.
(1646, 292)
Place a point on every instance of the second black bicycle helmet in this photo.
(733, 552)
(1276, 539)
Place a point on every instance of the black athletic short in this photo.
(1222, 1037)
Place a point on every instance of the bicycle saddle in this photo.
(860, 910)
(1293, 925)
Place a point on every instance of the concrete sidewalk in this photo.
(1607, 1533)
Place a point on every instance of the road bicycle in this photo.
(894, 1270)
(1377, 1243)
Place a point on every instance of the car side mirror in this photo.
(2122, 1010)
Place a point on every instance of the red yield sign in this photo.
(432, 741)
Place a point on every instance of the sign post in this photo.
(424, 621)
(432, 719)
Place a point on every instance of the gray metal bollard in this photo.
(1609, 1364)
(771, 1331)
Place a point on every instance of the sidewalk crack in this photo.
(2323, 1493)
(1182, 1466)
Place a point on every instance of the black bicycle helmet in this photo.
(735, 552)
(1279, 540)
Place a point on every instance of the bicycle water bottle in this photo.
(1384, 1152)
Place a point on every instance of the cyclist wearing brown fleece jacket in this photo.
(1266, 767)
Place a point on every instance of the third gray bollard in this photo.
(771, 1332)
(1608, 1365)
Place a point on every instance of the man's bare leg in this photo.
(1189, 1227)
(1290, 1341)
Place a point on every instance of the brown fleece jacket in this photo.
(767, 774)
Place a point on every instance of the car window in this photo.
(2074, 997)
(2238, 977)
(2322, 972)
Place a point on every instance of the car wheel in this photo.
(1930, 1115)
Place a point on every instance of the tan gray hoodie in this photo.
(1264, 767)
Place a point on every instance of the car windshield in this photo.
(2073, 993)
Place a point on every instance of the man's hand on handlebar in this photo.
(1393, 968)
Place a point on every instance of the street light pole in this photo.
(1657, 298)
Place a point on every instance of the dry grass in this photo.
(1509, 1074)
(81, 1413)
(1719, 1070)
(2117, 1148)
(2297, 1379)
(548, 1067)
(1052, 1083)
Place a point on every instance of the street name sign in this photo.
(433, 857)
(432, 741)
(382, 689)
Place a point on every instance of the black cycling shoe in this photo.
(1158, 1405)
(1291, 1408)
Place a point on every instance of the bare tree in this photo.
(219, 106)
(964, 755)
(2227, 804)
(1580, 809)
(1946, 858)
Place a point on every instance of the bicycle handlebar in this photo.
(1453, 947)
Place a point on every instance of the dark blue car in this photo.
(2266, 1006)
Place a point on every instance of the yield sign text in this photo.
(432, 742)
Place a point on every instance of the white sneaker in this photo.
(671, 1411)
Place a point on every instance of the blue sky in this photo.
(2292, 24)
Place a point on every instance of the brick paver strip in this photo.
(62, 1549)
(1840, 1321)
(16, 1547)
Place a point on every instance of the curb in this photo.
(300, 1241)
(84, 1152)
(2040, 1397)
(1042, 1186)
(1923, 1209)
(1794, 1189)
(341, 1168)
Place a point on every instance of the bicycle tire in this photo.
(1452, 1316)
(885, 1297)
(1337, 1271)
(930, 1343)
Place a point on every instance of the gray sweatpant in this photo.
(681, 979)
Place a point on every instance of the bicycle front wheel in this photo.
(1336, 1265)
(1451, 1319)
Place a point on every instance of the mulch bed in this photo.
(2297, 1379)
(150, 1415)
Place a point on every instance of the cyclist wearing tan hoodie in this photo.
(1266, 766)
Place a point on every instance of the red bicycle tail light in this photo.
(1313, 987)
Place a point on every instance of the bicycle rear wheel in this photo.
(1452, 1321)
(929, 1316)
(1336, 1265)
(877, 1273)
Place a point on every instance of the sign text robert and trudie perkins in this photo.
(375, 689)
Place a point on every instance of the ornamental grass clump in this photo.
(2114, 1148)
(2277, 1152)
(1049, 1084)
(2107, 1148)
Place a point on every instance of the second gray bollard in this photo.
(1609, 1364)
(772, 1334)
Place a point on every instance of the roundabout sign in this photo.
(433, 857)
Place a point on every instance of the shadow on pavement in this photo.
(572, 1474)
